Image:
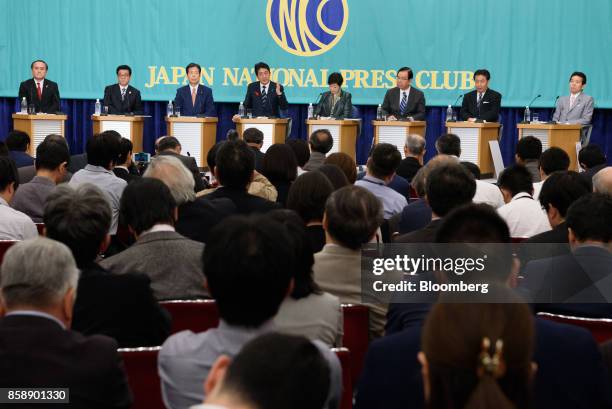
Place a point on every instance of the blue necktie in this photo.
(403, 103)
(264, 98)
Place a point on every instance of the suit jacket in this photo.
(391, 378)
(581, 112)
(425, 235)
(408, 167)
(77, 162)
(415, 216)
(120, 306)
(414, 108)
(204, 103)
(342, 109)
(31, 197)
(191, 164)
(489, 109)
(253, 101)
(259, 156)
(50, 97)
(547, 244)
(197, 218)
(131, 103)
(316, 160)
(37, 352)
(125, 174)
(245, 203)
(21, 159)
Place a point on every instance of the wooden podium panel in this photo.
(475, 139)
(38, 126)
(129, 127)
(344, 132)
(274, 129)
(395, 132)
(197, 135)
(562, 136)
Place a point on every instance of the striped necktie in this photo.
(403, 103)
(123, 94)
(264, 97)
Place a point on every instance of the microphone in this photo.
(457, 100)
(552, 121)
(534, 98)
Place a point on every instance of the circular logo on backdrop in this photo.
(307, 27)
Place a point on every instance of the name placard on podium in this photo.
(129, 127)
(395, 132)
(197, 135)
(38, 127)
(344, 132)
(562, 136)
(274, 129)
(475, 139)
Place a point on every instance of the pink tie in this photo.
(193, 96)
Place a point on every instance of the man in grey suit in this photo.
(577, 108)
(404, 101)
(321, 142)
(335, 103)
(171, 261)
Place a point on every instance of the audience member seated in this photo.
(345, 163)
(254, 138)
(307, 198)
(171, 260)
(308, 311)
(417, 214)
(352, 217)
(528, 152)
(14, 225)
(234, 169)
(248, 269)
(552, 160)
(124, 168)
(397, 183)
(196, 216)
(119, 306)
(302, 152)
(472, 168)
(448, 186)
(18, 143)
(381, 168)
(232, 135)
(602, 181)
(335, 175)
(592, 159)
(296, 376)
(102, 155)
(320, 143)
(579, 283)
(38, 348)
(414, 152)
(27, 173)
(521, 212)
(279, 166)
(169, 145)
(3, 149)
(51, 167)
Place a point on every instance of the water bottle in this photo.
(170, 109)
(527, 116)
(379, 114)
(449, 113)
(241, 110)
(310, 111)
(98, 108)
(24, 106)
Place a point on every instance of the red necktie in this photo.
(38, 91)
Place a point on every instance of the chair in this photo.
(356, 336)
(344, 356)
(585, 134)
(194, 315)
(141, 369)
(601, 328)
(40, 227)
(4, 246)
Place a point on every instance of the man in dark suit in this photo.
(254, 138)
(592, 159)
(482, 104)
(125, 168)
(403, 101)
(195, 99)
(18, 144)
(414, 152)
(122, 98)
(39, 91)
(38, 348)
(169, 145)
(265, 97)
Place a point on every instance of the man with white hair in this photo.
(602, 181)
(171, 146)
(414, 152)
(38, 350)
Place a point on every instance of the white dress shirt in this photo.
(15, 225)
(524, 216)
(401, 95)
(488, 193)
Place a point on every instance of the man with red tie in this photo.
(195, 99)
(39, 91)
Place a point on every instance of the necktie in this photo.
(122, 94)
(38, 91)
(264, 97)
(403, 103)
(478, 103)
(193, 96)
(572, 101)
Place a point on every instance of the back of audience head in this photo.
(103, 149)
(449, 144)
(53, 137)
(602, 181)
(145, 203)
(345, 163)
(513, 180)
(589, 220)
(17, 141)
(300, 149)
(125, 152)
(250, 264)
(295, 375)
(79, 217)
(528, 148)
(308, 194)
(415, 146)
(449, 186)
(211, 155)
(234, 165)
(9, 178)
(52, 157)
(352, 216)
(334, 174)
(559, 191)
(232, 135)
(253, 136)
(383, 161)
(321, 141)
(39, 274)
(419, 181)
(591, 156)
(175, 175)
(279, 163)
(472, 168)
(553, 159)
(168, 143)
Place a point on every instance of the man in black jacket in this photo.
(483, 103)
(122, 98)
(404, 101)
(39, 91)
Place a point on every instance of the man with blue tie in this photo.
(195, 99)
(482, 104)
(265, 97)
(403, 101)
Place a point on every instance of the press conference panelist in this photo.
(195, 99)
(39, 91)
(576, 108)
(483, 103)
(334, 103)
(122, 98)
(265, 97)
(404, 101)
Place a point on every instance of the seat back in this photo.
(4, 246)
(41, 228)
(356, 336)
(344, 356)
(141, 369)
(601, 328)
(194, 315)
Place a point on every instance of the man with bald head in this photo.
(602, 181)
(320, 142)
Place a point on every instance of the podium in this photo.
(344, 132)
(475, 139)
(395, 132)
(274, 130)
(38, 127)
(562, 136)
(129, 127)
(197, 135)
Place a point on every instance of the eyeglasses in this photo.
(402, 78)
